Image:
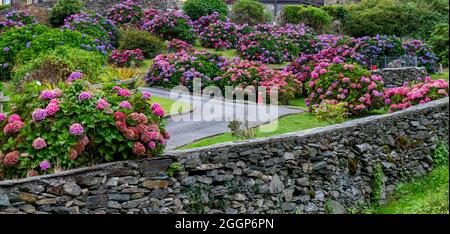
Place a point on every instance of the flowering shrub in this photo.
(20, 17)
(77, 126)
(63, 9)
(176, 45)
(12, 42)
(242, 74)
(373, 49)
(128, 12)
(270, 44)
(101, 29)
(347, 83)
(183, 67)
(406, 96)
(54, 38)
(127, 58)
(423, 52)
(171, 25)
(265, 47)
(220, 35)
(16, 19)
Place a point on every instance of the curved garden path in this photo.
(190, 127)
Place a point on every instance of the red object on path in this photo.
(374, 67)
(260, 98)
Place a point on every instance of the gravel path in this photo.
(211, 116)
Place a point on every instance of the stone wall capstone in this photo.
(322, 170)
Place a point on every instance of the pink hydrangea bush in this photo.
(184, 67)
(77, 125)
(269, 44)
(128, 12)
(348, 83)
(216, 33)
(127, 58)
(242, 74)
(175, 46)
(16, 19)
(170, 25)
(400, 98)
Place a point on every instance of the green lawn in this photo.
(166, 104)
(444, 76)
(427, 195)
(145, 66)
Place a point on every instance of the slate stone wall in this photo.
(395, 77)
(323, 170)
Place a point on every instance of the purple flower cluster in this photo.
(39, 114)
(44, 165)
(171, 25)
(184, 67)
(128, 12)
(84, 96)
(50, 94)
(101, 29)
(76, 129)
(217, 34)
(16, 19)
(74, 76)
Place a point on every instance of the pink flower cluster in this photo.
(218, 34)
(50, 94)
(142, 132)
(14, 125)
(176, 46)
(420, 93)
(170, 25)
(127, 58)
(158, 110)
(74, 76)
(11, 158)
(76, 129)
(128, 12)
(348, 83)
(102, 104)
(39, 143)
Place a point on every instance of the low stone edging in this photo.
(320, 170)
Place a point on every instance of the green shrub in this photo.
(16, 40)
(62, 9)
(250, 12)
(338, 12)
(53, 38)
(331, 112)
(309, 15)
(57, 65)
(198, 8)
(440, 43)
(131, 39)
(391, 17)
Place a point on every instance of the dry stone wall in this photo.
(323, 170)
